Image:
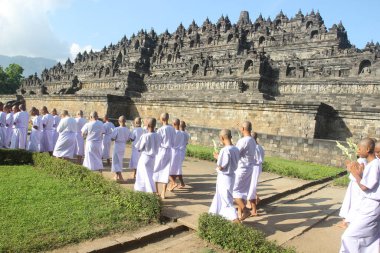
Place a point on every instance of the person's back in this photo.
(80, 122)
(178, 140)
(228, 159)
(149, 144)
(108, 128)
(136, 134)
(247, 147)
(67, 124)
(48, 121)
(185, 140)
(122, 134)
(95, 131)
(167, 133)
(23, 119)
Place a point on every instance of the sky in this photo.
(58, 29)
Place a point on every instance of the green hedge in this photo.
(143, 207)
(200, 152)
(235, 237)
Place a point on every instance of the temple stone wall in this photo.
(304, 149)
(270, 118)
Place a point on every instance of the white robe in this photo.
(223, 202)
(176, 159)
(106, 144)
(121, 135)
(163, 159)
(79, 149)
(57, 119)
(93, 149)
(243, 173)
(148, 145)
(186, 138)
(3, 119)
(66, 143)
(352, 196)
(363, 232)
(135, 154)
(8, 129)
(20, 128)
(34, 143)
(47, 141)
(257, 169)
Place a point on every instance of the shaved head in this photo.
(377, 149)
(247, 126)
(225, 133)
(22, 107)
(164, 117)
(80, 113)
(369, 144)
(94, 115)
(137, 121)
(182, 125)
(105, 118)
(151, 123)
(65, 113)
(176, 122)
(122, 119)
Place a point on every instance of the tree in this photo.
(10, 78)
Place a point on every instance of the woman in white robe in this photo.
(120, 135)
(79, 149)
(34, 143)
(148, 145)
(135, 154)
(65, 146)
(106, 143)
(93, 132)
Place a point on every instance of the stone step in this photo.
(297, 213)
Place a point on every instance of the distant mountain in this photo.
(30, 65)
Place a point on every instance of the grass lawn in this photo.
(280, 166)
(342, 181)
(40, 212)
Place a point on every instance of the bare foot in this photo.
(246, 213)
(163, 196)
(254, 214)
(181, 186)
(172, 187)
(342, 224)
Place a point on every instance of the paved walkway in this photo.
(298, 219)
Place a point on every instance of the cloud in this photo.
(25, 28)
(75, 49)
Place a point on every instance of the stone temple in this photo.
(301, 84)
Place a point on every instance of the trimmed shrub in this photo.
(200, 152)
(235, 237)
(15, 156)
(140, 206)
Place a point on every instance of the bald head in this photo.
(22, 107)
(80, 113)
(54, 111)
(151, 124)
(164, 117)
(94, 115)
(182, 125)
(137, 122)
(368, 144)
(122, 119)
(44, 110)
(65, 113)
(176, 123)
(1, 106)
(377, 149)
(225, 133)
(247, 126)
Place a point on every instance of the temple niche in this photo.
(266, 55)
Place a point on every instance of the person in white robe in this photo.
(176, 157)
(57, 118)
(243, 173)
(79, 149)
(93, 132)
(121, 135)
(227, 162)
(106, 144)
(163, 159)
(135, 137)
(8, 126)
(252, 196)
(377, 149)
(351, 198)
(148, 145)
(47, 139)
(34, 143)
(3, 118)
(363, 232)
(20, 128)
(66, 143)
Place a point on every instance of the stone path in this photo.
(303, 219)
